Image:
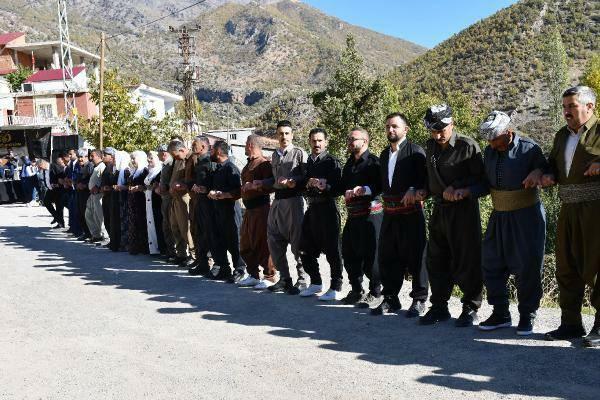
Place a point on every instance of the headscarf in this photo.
(141, 160)
(155, 170)
(122, 164)
(494, 125)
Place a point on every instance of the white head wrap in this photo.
(141, 160)
(495, 125)
(155, 170)
(122, 164)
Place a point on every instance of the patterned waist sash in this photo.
(361, 206)
(511, 200)
(392, 205)
(579, 193)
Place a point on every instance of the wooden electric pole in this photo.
(101, 99)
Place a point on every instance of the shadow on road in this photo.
(464, 359)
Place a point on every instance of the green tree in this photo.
(15, 79)
(554, 57)
(353, 99)
(124, 127)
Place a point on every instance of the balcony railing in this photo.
(34, 121)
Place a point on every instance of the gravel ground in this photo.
(80, 322)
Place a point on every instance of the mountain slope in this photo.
(497, 61)
(251, 53)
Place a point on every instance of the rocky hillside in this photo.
(498, 61)
(252, 54)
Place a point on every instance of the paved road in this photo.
(79, 322)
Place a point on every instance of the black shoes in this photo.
(353, 297)
(435, 315)
(468, 317)
(416, 309)
(187, 262)
(369, 301)
(237, 276)
(282, 285)
(497, 320)
(390, 304)
(58, 226)
(179, 260)
(565, 332)
(593, 338)
(197, 270)
(525, 327)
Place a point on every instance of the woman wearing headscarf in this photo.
(136, 213)
(156, 241)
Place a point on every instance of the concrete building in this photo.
(154, 101)
(236, 138)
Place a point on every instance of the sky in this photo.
(425, 22)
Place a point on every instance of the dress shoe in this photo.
(593, 338)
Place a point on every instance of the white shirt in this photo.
(572, 141)
(392, 161)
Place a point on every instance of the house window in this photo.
(45, 111)
(233, 136)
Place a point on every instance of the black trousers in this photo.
(360, 251)
(115, 218)
(82, 198)
(401, 245)
(454, 253)
(54, 203)
(228, 221)
(321, 234)
(207, 239)
(106, 206)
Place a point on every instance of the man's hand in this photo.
(460, 194)
(257, 184)
(348, 194)
(547, 180)
(421, 195)
(94, 190)
(215, 195)
(409, 198)
(533, 179)
(448, 194)
(359, 191)
(106, 188)
(593, 169)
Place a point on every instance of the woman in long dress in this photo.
(118, 203)
(156, 242)
(136, 201)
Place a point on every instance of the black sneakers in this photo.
(435, 315)
(369, 301)
(282, 285)
(416, 309)
(390, 304)
(525, 327)
(565, 332)
(496, 321)
(353, 297)
(468, 317)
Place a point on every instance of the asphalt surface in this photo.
(81, 322)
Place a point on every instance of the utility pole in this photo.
(101, 100)
(188, 75)
(67, 69)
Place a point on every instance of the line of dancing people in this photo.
(183, 203)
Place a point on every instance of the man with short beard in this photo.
(93, 211)
(83, 173)
(287, 210)
(226, 190)
(575, 166)
(165, 196)
(456, 178)
(107, 180)
(321, 223)
(402, 237)
(361, 186)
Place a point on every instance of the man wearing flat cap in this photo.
(575, 166)
(455, 180)
(516, 232)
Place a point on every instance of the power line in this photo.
(158, 19)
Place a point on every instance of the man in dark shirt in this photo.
(455, 181)
(165, 206)
(107, 180)
(226, 190)
(402, 238)
(321, 223)
(361, 186)
(199, 180)
(70, 194)
(253, 239)
(83, 171)
(54, 199)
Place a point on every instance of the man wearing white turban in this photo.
(516, 232)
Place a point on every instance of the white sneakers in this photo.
(312, 290)
(263, 284)
(248, 281)
(331, 295)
